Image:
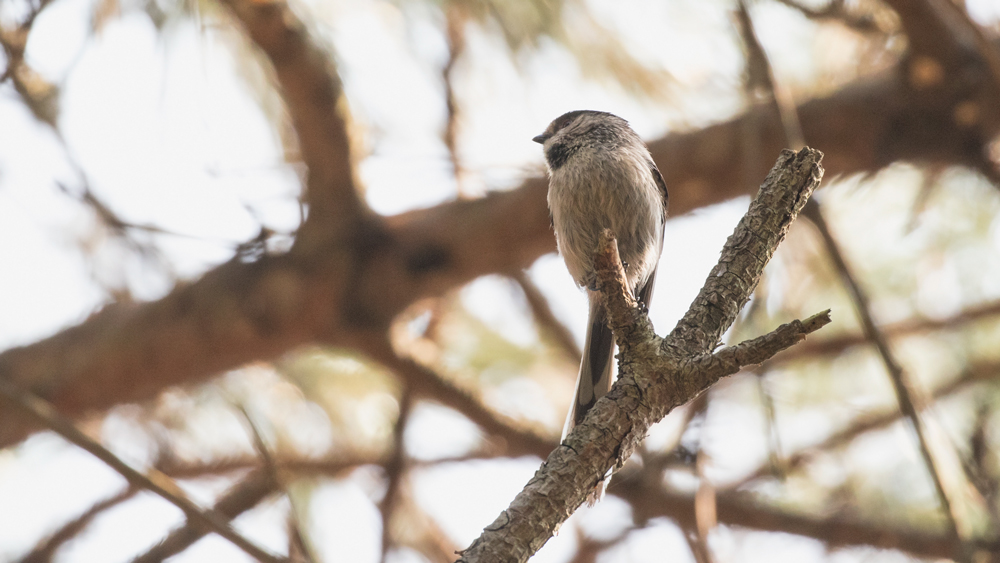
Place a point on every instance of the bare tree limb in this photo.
(973, 374)
(820, 347)
(739, 509)
(900, 383)
(248, 493)
(395, 472)
(157, 483)
(45, 551)
(656, 374)
(242, 312)
(425, 382)
(546, 319)
(311, 90)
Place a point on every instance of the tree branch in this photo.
(657, 375)
(240, 312)
(248, 493)
(157, 483)
(739, 509)
(907, 399)
(311, 90)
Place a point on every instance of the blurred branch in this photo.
(455, 20)
(875, 421)
(157, 482)
(900, 382)
(705, 509)
(248, 493)
(425, 382)
(776, 457)
(332, 465)
(760, 82)
(312, 92)
(946, 46)
(37, 94)
(657, 375)
(930, 29)
(943, 29)
(45, 551)
(928, 185)
(546, 319)
(340, 293)
(739, 509)
(395, 471)
(589, 549)
(836, 10)
(423, 533)
(295, 538)
(814, 348)
(977, 463)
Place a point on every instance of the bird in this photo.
(601, 176)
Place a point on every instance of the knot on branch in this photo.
(627, 318)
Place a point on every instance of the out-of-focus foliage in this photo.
(164, 115)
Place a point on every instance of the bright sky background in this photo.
(171, 135)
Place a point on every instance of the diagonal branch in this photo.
(427, 383)
(45, 551)
(650, 501)
(312, 91)
(817, 348)
(658, 375)
(733, 279)
(546, 319)
(158, 483)
(835, 10)
(242, 312)
(248, 493)
(900, 383)
(879, 420)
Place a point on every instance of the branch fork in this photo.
(658, 374)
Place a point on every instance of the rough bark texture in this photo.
(657, 374)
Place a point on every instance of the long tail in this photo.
(594, 380)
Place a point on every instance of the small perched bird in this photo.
(601, 176)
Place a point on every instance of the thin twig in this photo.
(425, 382)
(395, 469)
(872, 422)
(250, 491)
(46, 550)
(156, 482)
(814, 348)
(836, 10)
(760, 80)
(900, 385)
(294, 526)
(546, 319)
(650, 499)
(454, 14)
(776, 458)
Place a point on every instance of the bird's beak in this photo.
(540, 139)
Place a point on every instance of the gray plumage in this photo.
(602, 176)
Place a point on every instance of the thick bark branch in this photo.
(657, 375)
(311, 90)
